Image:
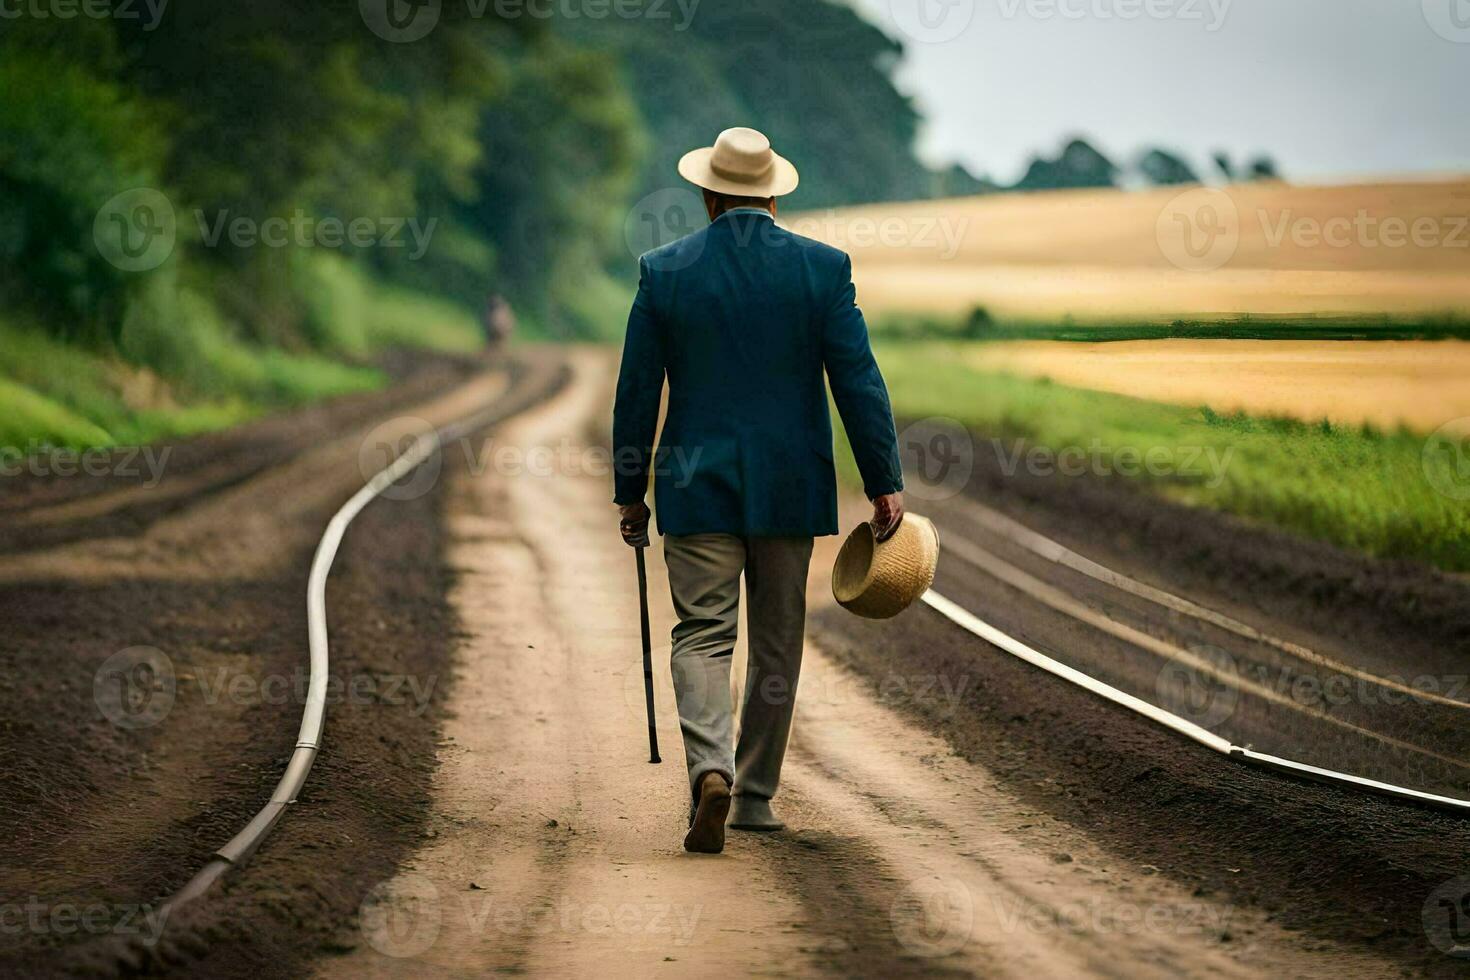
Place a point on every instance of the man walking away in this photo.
(742, 318)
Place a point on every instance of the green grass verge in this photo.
(1360, 488)
(179, 370)
(56, 394)
(402, 318)
(979, 325)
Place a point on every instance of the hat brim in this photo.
(780, 180)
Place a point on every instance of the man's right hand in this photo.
(887, 515)
(634, 524)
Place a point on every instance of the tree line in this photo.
(523, 139)
(519, 142)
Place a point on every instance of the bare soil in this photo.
(951, 810)
(1344, 870)
(98, 815)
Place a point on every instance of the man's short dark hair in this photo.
(728, 202)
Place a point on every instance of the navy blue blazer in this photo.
(742, 317)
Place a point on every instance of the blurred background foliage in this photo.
(524, 139)
(518, 143)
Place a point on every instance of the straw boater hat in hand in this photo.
(741, 163)
(880, 579)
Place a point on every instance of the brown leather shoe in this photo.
(707, 829)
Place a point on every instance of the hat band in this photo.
(741, 177)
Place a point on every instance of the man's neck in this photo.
(745, 209)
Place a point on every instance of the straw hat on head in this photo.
(741, 163)
(880, 579)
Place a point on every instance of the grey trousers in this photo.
(704, 576)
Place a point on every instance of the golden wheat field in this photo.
(1266, 249)
(1421, 384)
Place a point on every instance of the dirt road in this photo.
(555, 847)
(952, 811)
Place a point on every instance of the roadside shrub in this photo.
(978, 325)
(332, 292)
(68, 146)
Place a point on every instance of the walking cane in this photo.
(647, 657)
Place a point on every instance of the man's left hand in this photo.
(634, 524)
(887, 515)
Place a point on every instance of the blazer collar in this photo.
(759, 211)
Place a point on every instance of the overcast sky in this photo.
(1331, 88)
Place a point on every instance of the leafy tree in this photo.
(560, 148)
(1264, 168)
(813, 75)
(1162, 168)
(1078, 165)
(523, 141)
(1222, 163)
(69, 141)
(957, 181)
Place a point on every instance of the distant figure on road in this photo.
(743, 317)
(499, 322)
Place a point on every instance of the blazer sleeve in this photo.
(640, 389)
(859, 391)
